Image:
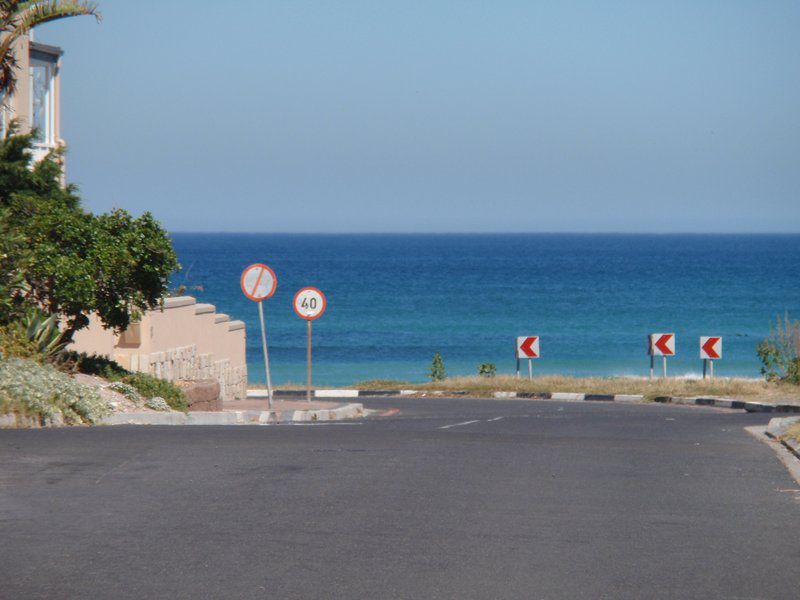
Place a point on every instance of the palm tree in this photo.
(18, 17)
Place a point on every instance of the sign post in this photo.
(710, 350)
(258, 282)
(527, 347)
(309, 303)
(661, 344)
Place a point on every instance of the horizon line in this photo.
(631, 233)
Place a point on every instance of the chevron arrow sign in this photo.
(711, 347)
(528, 346)
(662, 344)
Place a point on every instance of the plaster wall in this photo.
(185, 340)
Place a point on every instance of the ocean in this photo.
(395, 299)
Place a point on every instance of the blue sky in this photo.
(444, 116)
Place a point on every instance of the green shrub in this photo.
(150, 387)
(780, 352)
(437, 368)
(15, 344)
(33, 389)
(33, 334)
(487, 369)
(146, 386)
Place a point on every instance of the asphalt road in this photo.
(447, 499)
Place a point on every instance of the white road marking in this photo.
(459, 424)
(495, 419)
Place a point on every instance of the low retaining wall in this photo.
(185, 340)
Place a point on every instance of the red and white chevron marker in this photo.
(528, 346)
(662, 344)
(710, 347)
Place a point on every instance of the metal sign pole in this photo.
(308, 385)
(264, 348)
(530, 368)
(705, 366)
(711, 367)
(665, 366)
(652, 365)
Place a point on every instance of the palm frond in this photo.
(37, 12)
(18, 17)
(8, 75)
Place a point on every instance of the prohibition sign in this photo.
(258, 282)
(309, 303)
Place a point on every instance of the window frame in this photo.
(48, 131)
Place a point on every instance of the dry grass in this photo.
(793, 432)
(747, 389)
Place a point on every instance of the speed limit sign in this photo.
(309, 303)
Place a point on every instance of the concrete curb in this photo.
(237, 417)
(764, 407)
(348, 411)
(572, 396)
(567, 396)
(788, 454)
(761, 407)
(776, 429)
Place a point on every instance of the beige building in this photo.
(36, 102)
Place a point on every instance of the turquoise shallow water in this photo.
(394, 300)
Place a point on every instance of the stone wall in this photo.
(184, 341)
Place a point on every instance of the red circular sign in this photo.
(258, 282)
(309, 303)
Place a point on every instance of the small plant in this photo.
(780, 352)
(157, 404)
(437, 368)
(35, 335)
(43, 331)
(487, 370)
(126, 390)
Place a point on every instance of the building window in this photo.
(4, 115)
(42, 74)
